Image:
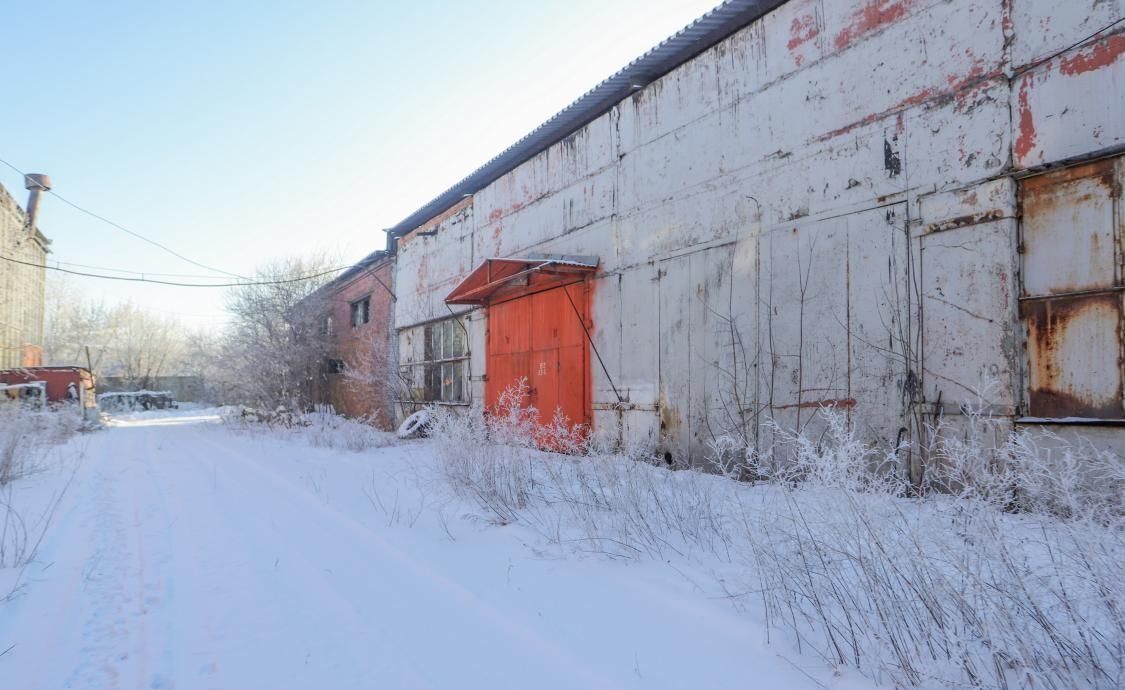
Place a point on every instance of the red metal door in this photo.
(540, 338)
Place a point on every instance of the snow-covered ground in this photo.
(187, 554)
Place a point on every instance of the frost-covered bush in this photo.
(328, 430)
(1012, 576)
(26, 433)
(483, 457)
(322, 428)
(562, 480)
(27, 438)
(1006, 571)
(280, 417)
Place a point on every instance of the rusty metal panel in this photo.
(1073, 290)
(1075, 351)
(1070, 232)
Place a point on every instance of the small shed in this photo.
(62, 383)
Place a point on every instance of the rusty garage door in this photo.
(1072, 291)
(538, 318)
(540, 338)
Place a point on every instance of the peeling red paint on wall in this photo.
(917, 99)
(803, 29)
(1025, 137)
(1096, 56)
(959, 85)
(495, 215)
(866, 120)
(435, 222)
(874, 15)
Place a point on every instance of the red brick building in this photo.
(358, 375)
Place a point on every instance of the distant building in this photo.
(358, 377)
(23, 252)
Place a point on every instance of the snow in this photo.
(189, 554)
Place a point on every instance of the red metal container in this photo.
(58, 380)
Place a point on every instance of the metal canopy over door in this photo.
(1073, 300)
(538, 317)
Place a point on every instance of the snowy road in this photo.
(186, 555)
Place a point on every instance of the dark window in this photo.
(361, 311)
(440, 377)
(336, 366)
(327, 327)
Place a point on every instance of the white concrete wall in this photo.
(820, 208)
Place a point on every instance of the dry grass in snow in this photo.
(322, 428)
(1012, 576)
(30, 444)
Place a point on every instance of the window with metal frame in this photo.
(361, 311)
(441, 375)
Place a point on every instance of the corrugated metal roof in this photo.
(353, 270)
(565, 259)
(364, 263)
(674, 51)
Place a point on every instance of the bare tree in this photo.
(276, 342)
(123, 340)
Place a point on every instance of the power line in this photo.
(142, 279)
(127, 270)
(126, 230)
(1097, 34)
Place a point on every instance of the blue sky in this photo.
(237, 132)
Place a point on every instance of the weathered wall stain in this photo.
(1026, 137)
(1102, 54)
(874, 15)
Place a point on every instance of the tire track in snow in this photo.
(448, 603)
(104, 600)
(124, 587)
(229, 539)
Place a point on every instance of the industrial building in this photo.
(354, 312)
(901, 209)
(23, 253)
